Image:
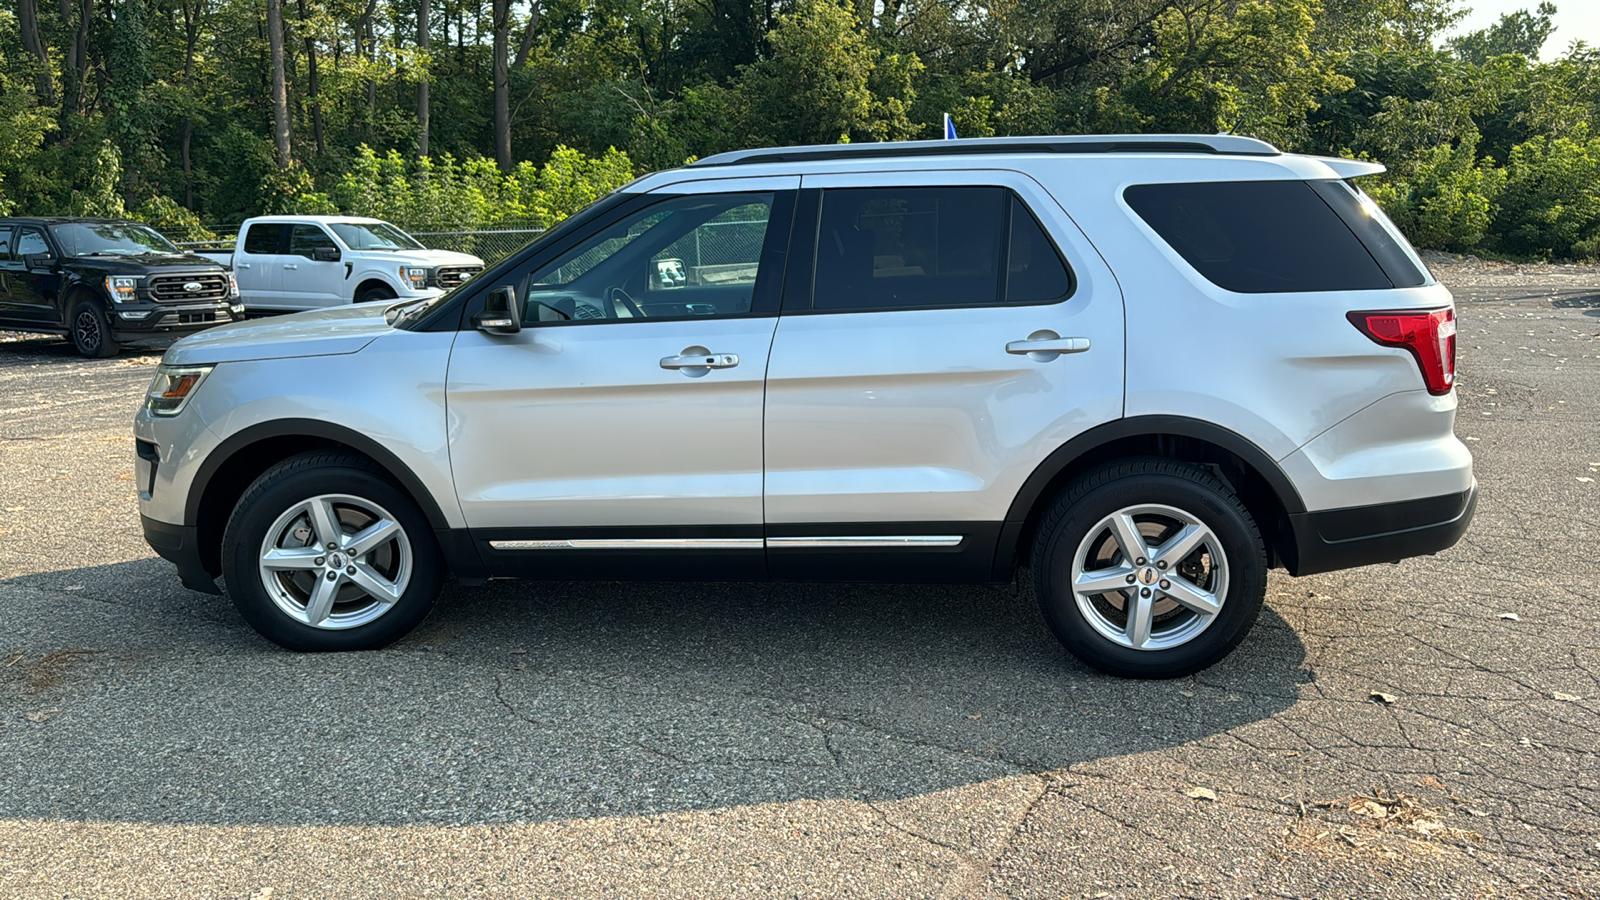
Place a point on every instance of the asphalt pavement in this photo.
(1425, 729)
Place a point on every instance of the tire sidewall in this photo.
(1194, 492)
(282, 488)
(372, 295)
(106, 347)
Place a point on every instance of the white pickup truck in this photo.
(293, 263)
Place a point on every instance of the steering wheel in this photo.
(617, 295)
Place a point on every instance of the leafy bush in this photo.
(1448, 202)
(1551, 203)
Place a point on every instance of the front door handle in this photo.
(697, 361)
(1045, 345)
(290, 266)
(242, 266)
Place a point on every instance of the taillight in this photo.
(1430, 335)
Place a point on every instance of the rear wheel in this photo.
(91, 332)
(1149, 569)
(324, 553)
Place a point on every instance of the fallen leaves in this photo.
(1510, 617)
(1381, 697)
(1565, 697)
(1200, 793)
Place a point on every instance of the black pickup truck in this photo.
(104, 283)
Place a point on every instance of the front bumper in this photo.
(1332, 539)
(180, 545)
(141, 322)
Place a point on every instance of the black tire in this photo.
(373, 294)
(295, 481)
(90, 331)
(1089, 502)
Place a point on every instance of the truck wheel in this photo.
(91, 333)
(1149, 568)
(375, 293)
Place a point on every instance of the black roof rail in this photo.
(1218, 144)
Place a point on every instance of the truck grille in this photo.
(170, 288)
(450, 276)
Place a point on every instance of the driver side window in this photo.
(681, 258)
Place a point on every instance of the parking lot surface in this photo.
(1426, 729)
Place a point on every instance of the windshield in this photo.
(373, 236)
(110, 239)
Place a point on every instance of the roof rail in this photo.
(1220, 144)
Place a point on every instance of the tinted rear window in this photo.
(1258, 237)
(264, 238)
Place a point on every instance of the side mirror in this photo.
(37, 260)
(668, 275)
(500, 314)
(325, 254)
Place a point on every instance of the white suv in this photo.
(1146, 369)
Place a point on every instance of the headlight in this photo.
(173, 386)
(417, 278)
(122, 288)
(233, 287)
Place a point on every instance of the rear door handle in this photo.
(242, 266)
(290, 266)
(1045, 345)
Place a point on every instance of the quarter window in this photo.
(264, 237)
(1256, 237)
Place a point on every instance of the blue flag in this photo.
(949, 128)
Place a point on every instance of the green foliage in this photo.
(160, 108)
(1551, 203)
(444, 194)
(1448, 201)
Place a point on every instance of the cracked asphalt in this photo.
(1426, 729)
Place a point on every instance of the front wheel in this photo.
(373, 294)
(324, 553)
(1149, 568)
(91, 332)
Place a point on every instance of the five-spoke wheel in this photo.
(1149, 568)
(323, 552)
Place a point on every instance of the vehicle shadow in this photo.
(531, 702)
(25, 348)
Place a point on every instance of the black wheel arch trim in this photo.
(1033, 488)
(312, 428)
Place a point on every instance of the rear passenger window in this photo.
(908, 247)
(918, 248)
(5, 242)
(264, 238)
(1256, 237)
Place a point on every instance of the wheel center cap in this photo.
(335, 561)
(1148, 576)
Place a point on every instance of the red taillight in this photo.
(1430, 335)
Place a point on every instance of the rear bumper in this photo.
(180, 545)
(1387, 532)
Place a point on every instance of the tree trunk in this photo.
(280, 83)
(313, 93)
(191, 37)
(423, 44)
(502, 84)
(526, 44)
(28, 23)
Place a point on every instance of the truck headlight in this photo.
(173, 386)
(417, 278)
(122, 288)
